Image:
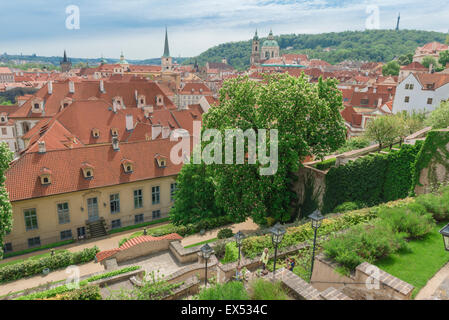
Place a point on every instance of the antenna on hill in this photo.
(399, 20)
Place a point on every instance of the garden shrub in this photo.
(437, 205)
(225, 233)
(233, 290)
(368, 242)
(219, 249)
(84, 293)
(266, 290)
(231, 253)
(414, 223)
(346, 206)
(253, 246)
(31, 267)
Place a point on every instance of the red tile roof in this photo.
(102, 255)
(22, 178)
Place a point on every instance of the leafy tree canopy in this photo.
(6, 157)
(391, 69)
(307, 117)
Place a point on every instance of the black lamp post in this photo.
(445, 233)
(316, 217)
(206, 252)
(277, 234)
(239, 236)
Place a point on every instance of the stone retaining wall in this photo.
(184, 255)
(367, 282)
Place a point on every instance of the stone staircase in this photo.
(96, 229)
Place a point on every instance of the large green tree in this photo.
(6, 157)
(439, 118)
(391, 68)
(307, 117)
(444, 58)
(384, 130)
(194, 198)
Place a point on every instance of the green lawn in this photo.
(416, 266)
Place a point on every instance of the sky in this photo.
(137, 27)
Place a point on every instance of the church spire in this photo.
(64, 59)
(166, 49)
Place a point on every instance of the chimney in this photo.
(50, 87)
(114, 106)
(115, 143)
(102, 86)
(129, 122)
(379, 103)
(136, 94)
(42, 148)
(71, 87)
(431, 68)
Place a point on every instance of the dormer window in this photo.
(95, 133)
(114, 132)
(118, 102)
(159, 100)
(161, 161)
(128, 166)
(3, 119)
(88, 170)
(141, 101)
(45, 176)
(37, 105)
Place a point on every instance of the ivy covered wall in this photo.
(372, 179)
(431, 165)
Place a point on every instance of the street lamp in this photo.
(277, 234)
(239, 236)
(316, 217)
(445, 233)
(206, 252)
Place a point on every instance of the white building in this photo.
(421, 92)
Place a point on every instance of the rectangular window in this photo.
(429, 101)
(81, 231)
(34, 242)
(407, 99)
(173, 191)
(63, 213)
(116, 224)
(412, 86)
(138, 218)
(156, 214)
(155, 195)
(30, 219)
(7, 247)
(407, 86)
(66, 234)
(4, 132)
(114, 200)
(138, 199)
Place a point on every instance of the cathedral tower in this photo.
(66, 64)
(166, 60)
(255, 53)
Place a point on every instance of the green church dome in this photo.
(270, 43)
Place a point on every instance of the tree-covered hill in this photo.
(369, 45)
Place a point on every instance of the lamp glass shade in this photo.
(316, 217)
(277, 234)
(206, 251)
(239, 236)
(445, 233)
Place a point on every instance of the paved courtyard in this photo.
(164, 262)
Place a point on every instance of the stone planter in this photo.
(46, 271)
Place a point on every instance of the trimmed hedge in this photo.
(64, 288)
(31, 267)
(48, 246)
(224, 233)
(373, 179)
